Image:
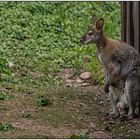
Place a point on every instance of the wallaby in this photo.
(121, 63)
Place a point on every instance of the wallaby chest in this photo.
(108, 54)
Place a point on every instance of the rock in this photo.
(101, 103)
(68, 76)
(85, 76)
(85, 84)
(92, 125)
(96, 98)
(70, 81)
(10, 64)
(79, 81)
(75, 85)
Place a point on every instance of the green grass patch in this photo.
(43, 102)
(6, 127)
(81, 136)
(5, 97)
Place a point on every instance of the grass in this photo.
(81, 136)
(6, 127)
(5, 97)
(41, 38)
(43, 102)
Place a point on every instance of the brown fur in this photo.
(121, 63)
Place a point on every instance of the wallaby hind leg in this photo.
(114, 100)
(122, 105)
(130, 98)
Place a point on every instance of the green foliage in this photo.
(81, 136)
(43, 102)
(74, 136)
(4, 96)
(4, 70)
(44, 36)
(6, 127)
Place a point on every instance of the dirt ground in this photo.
(73, 112)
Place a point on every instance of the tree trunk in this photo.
(130, 18)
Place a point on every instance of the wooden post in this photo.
(130, 17)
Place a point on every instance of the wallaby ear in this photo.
(94, 18)
(99, 23)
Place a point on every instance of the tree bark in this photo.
(130, 23)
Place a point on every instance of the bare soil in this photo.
(79, 111)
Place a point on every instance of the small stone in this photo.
(85, 84)
(85, 76)
(96, 98)
(70, 81)
(68, 76)
(101, 102)
(93, 125)
(75, 85)
(10, 64)
(79, 81)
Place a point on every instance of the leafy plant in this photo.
(81, 136)
(45, 37)
(74, 136)
(43, 102)
(4, 70)
(6, 127)
(4, 96)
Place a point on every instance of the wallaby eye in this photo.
(90, 33)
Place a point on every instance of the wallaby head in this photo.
(95, 32)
